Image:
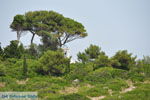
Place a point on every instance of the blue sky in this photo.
(111, 24)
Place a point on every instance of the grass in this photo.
(105, 82)
(140, 93)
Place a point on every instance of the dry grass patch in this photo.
(22, 81)
(97, 98)
(131, 87)
(69, 90)
(2, 84)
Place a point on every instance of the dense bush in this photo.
(53, 63)
(102, 61)
(2, 70)
(14, 68)
(90, 54)
(14, 50)
(79, 71)
(142, 67)
(44, 68)
(7, 79)
(134, 76)
(123, 60)
(100, 75)
(104, 74)
(82, 57)
(116, 85)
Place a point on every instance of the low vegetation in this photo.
(46, 69)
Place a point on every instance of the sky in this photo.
(111, 24)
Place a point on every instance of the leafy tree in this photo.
(93, 51)
(49, 22)
(49, 42)
(34, 22)
(143, 66)
(90, 54)
(123, 60)
(53, 63)
(82, 57)
(18, 25)
(146, 59)
(14, 50)
(69, 31)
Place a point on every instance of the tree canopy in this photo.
(18, 25)
(14, 50)
(123, 60)
(53, 63)
(90, 54)
(49, 24)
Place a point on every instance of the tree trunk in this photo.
(18, 35)
(60, 45)
(32, 38)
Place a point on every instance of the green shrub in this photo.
(47, 80)
(116, 84)
(15, 68)
(53, 63)
(134, 76)
(32, 66)
(100, 75)
(7, 79)
(146, 70)
(90, 54)
(119, 73)
(123, 60)
(104, 74)
(102, 61)
(143, 69)
(79, 72)
(2, 70)
(14, 50)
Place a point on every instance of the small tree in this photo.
(90, 54)
(82, 57)
(146, 59)
(93, 51)
(53, 63)
(14, 50)
(123, 60)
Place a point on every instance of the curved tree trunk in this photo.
(32, 38)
